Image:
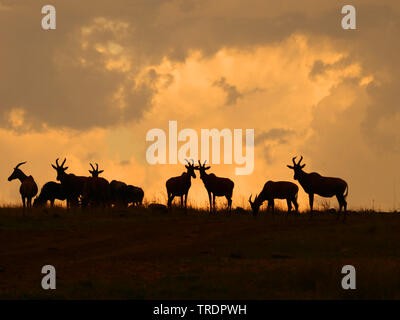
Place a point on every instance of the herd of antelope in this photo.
(96, 191)
(77, 190)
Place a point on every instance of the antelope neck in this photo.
(22, 177)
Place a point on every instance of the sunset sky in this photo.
(113, 70)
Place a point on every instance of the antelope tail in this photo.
(347, 192)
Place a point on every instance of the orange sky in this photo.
(91, 89)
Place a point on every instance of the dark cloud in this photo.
(320, 68)
(232, 93)
(124, 163)
(43, 74)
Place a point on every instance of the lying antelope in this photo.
(74, 186)
(51, 191)
(276, 190)
(179, 186)
(28, 188)
(314, 183)
(216, 186)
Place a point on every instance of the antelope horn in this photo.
(187, 161)
(250, 198)
(293, 160)
(97, 167)
(301, 158)
(57, 162)
(92, 167)
(20, 164)
(192, 162)
(62, 165)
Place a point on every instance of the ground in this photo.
(139, 254)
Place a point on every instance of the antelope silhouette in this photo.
(28, 188)
(97, 190)
(216, 186)
(135, 195)
(276, 190)
(73, 186)
(119, 193)
(179, 186)
(313, 183)
(51, 191)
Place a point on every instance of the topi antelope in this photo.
(74, 186)
(179, 186)
(97, 190)
(134, 195)
(28, 188)
(216, 186)
(119, 195)
(276, 190)
(95, 172)
(314, 183)
(51, 191)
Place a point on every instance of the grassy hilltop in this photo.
(142, 254)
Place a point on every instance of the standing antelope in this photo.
(73, 186)
(97, 190)
(276, 190)
(179, 186)
(216, 186)
(28, 187)
(314, 183)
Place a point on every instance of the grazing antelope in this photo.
(179, 186)
(216, 186)
(73, 186)
(276, 190)
(118, 191)
(51, 191)
(134, 195)
(314, 183)
(28, 188)
(97, 190)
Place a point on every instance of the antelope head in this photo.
(60, 169)
(190, 168)
(95, 172)
(255, 206)
(297, 167)
(202, 168)
(17, 173)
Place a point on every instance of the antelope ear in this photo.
(54, 166)
(66, 168)
(302, 166)
(206, 168)
(290, 167)
(101, 171)
(91, 172)
(186, 166)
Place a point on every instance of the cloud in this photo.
(232, 93)
(279, 135)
